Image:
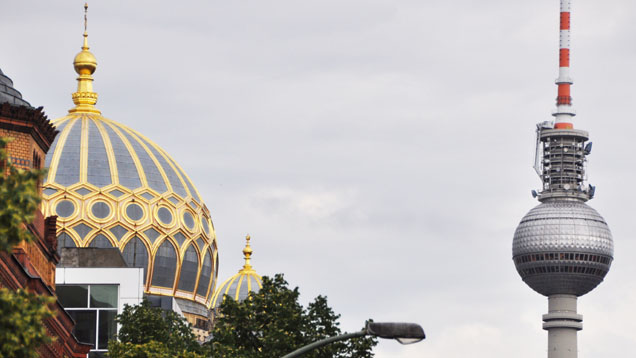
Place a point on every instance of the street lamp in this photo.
(405, 333)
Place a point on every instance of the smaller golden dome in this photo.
(241, 284)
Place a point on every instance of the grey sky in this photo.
(379, 152)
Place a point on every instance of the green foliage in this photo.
(151, 349)
(272, 323)
(158, 331)
(21, 328)
(22, 313)
(19, 199)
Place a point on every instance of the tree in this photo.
(19, 200)
(22, 330)
(22, 313)
(150, 332)
(272, 323)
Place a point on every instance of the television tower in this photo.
(562, 248)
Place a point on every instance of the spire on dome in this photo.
(247, 254)
(85, 65)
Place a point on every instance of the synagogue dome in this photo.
(110, 186)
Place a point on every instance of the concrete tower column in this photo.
(562, 323)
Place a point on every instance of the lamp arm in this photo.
(324, 342)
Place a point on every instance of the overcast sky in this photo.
(379, 152)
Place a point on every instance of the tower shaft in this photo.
(562, 323)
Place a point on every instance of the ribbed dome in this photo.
(8, 94)
(241, 284)
(112, 187)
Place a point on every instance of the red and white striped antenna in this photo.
(565, 112)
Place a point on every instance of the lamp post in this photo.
(405, 333)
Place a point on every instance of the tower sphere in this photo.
(563, 247)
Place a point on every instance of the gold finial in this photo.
(85, 65)
(247, 253)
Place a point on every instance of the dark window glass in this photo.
(201, 243)
(64, 240)
(206, 226)
(188, 220)
(104, 296)
(165, 265)
(189, 269)
(152, 234)
(134, 212)
(82, 230)
(180, 238)
(85, 325)
(83, 191)
(107, 327)
(206, 273)
(101, 242)
(101, 210)
(136, 255)
(164, 215)
(72, 296)
(119, 231)
(65, 208)
(116, 193)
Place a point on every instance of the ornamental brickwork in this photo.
(31, 265)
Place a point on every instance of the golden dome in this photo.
(241, 284)
(110, 186)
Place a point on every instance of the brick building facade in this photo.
(32, 265)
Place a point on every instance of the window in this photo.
(136, 255)
(93, 307)
(165, 265)
(189, 268)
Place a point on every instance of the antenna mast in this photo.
(565, 112)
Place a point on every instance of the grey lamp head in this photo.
(405, 333)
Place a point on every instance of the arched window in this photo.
(101, 241)
(165, 265)
(189, 269)
(64, 240)
(136, 254)
(206, 274)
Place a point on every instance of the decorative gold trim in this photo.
(194, 219)
(89, 210)
(124, 213)
(83, 174)
(172, 213)
(76, 208)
